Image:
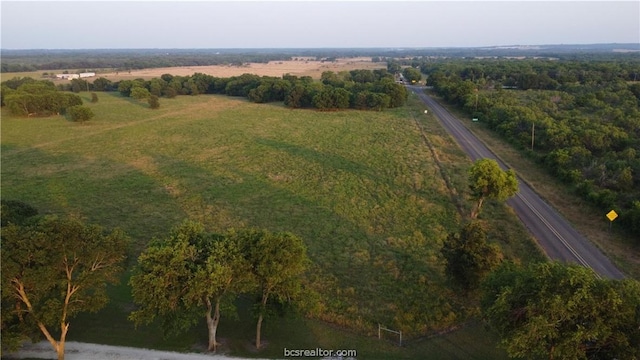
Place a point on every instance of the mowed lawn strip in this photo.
(360, 188)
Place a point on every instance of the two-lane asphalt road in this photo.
(554, 234)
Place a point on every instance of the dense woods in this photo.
(579, 119)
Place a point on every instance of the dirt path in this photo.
(84, 351)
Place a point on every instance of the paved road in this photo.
(554, 234)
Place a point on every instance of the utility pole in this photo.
(533, 134)
(476, 110)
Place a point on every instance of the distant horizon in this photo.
(637, 45)
(314, 24)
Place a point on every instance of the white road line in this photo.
(557, 234)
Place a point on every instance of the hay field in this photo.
(302, 67)
(273, 68)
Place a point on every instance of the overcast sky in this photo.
(314, 24)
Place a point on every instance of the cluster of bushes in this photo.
(586, 117)
(357, 89)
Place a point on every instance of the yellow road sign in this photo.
(612, 215)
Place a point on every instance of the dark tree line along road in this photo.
(558, 239)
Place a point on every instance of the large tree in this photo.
(488, 181)
(412, 75)
(469, 257)
(187, 276)
(277, 263)
(562, 311)
(53, 270)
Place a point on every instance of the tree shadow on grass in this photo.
(97, 190)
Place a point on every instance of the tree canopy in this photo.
(358, 89)
(51, 271)
(488, 181)
(193, 273)
(562, 311)
(79, 113)
(469, 257)
(188, 275)
(28, 97)
(277, 262)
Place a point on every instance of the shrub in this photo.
(79, 113)
(154, 103)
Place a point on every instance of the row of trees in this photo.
(581, 121)
(192, 272)
(357, 89)
(53, 269)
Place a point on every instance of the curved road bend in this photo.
(554, 234)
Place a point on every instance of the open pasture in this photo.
(361, 189)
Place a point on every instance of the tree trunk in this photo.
(58, 346)
(259, 326)
(212, 323)
(60, 351)
(476, 211)
(64, 328)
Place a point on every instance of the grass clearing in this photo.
(361, 188)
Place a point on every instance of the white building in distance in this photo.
(67, 76)
(75, 76)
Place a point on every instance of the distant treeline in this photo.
(130, 59)
(356, 89)
(586, 117)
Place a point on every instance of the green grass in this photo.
(361, 188)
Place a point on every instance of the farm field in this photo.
(360, 188)
(301, 67)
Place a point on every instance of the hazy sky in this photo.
(314, 24)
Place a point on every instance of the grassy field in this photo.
(361, 188)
